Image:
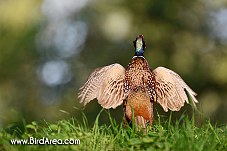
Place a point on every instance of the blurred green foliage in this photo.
(179, 34)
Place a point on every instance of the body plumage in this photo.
(140, 87)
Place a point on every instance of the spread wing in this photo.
(106, 84)
(171, 89)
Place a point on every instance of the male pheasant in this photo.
(137, 87)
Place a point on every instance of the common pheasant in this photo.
(137, 87)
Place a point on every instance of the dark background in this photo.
(48, 48)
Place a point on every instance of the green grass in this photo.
(163, 135)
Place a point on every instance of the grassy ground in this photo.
(163, 135)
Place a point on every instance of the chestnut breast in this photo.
(139, 76)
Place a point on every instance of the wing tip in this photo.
(192, 95)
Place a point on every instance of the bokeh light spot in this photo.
(54, 73)
(218, 24)
(117, 25)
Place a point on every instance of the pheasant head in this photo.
(139, 45)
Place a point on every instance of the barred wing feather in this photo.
(106, 84)
(171, 89)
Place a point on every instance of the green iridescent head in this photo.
(139, 45)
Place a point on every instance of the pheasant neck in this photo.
(135, 56)
(139, 52)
